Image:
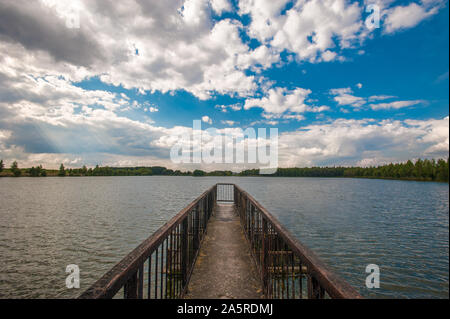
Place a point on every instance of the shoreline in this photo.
(10, 175)
(421, 170)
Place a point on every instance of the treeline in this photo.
(135, 171)
(301, 172)
(16, 171)
(424, 170)
(39, 171)
(112, 171)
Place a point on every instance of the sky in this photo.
(114, 83)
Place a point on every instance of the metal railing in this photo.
(161, 266)
(288, 269)
(225, 192)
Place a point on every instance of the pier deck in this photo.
(224, 267)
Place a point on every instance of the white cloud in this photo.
(281, 103)
(167, 45)
(152, 109)
(220, 6)
(394, 105)
(310, 28)
(176, 45)
(53, 132)
(436, 135)
(408, 16)
(359, 85)
(328, 56)
(344, 96)
(348, 142)
(318, 109)
(380, 97)
(207, 119)
(317, 30)
(228, 122)
(297, 117)
(279, 100)
(265, 122)
(49, 115)
(234, 107)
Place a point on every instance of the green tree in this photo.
(198, 172)
(96, 171)
(15, 169)
(409, 169)
(418, 168)
(42, 171)
(428, 169)
(62, 171)
(442, 170)
(33, 171)
(2, 166)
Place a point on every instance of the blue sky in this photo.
(93, 82)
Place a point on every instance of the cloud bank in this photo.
(195, 46)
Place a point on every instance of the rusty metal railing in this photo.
(287, 268)
(225, 192)
(161, 266)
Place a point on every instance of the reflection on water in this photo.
(48, 223)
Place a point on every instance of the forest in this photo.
(421, 170)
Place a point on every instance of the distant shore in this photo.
(421, 170)
(10, 175)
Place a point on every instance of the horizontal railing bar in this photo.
(281, 252)
(334, 285)
(296, 269)
(115, 279)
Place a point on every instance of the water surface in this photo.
(48, 223)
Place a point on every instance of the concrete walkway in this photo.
(224, 268)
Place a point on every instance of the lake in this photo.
(93, 222)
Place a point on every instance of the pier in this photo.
(222, 245)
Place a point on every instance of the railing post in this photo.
(131, 287)
(207, 209)
(251, 225)
(264, 264)
(214, 199)
(196, 226)
(315, 291)
(184, 250)
(140, 282)
(205, 214)
(210, 204)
